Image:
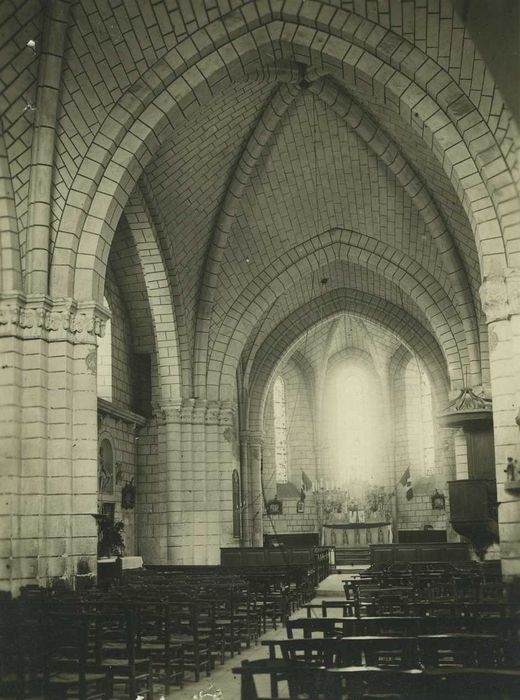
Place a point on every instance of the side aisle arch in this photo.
(142, 229)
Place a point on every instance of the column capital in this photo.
(37, 316)
(252, 437)
(500, 295)
(197, 411)
(166, 410)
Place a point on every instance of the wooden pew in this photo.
(348, 651)
(346, 608)
(299, 678)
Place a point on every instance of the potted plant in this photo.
(84, 579)
(110, 536)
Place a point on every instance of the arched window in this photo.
(419, 418)
(104, 362)
(236, 504)
(280, 430)
(354, 420)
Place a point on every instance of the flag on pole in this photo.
(306, 482)
(306, 486)
(406, 481)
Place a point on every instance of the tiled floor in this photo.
(223, 679)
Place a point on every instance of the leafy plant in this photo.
(110, 536)
(83, 566)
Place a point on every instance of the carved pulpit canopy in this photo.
(468, 407)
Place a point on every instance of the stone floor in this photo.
(223, 679)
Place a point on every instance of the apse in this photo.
(350, 412)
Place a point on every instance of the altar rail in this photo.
(453, 552)
(316, 558)
(292, 539)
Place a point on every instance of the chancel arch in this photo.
(356, 435)
(329, 249)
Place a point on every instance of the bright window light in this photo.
(280, 430)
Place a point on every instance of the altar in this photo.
(347, 534)
(130, 562)
(111, 569)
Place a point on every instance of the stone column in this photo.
(11, 376)
(251, 444)
(228, 445)
(501, 303)
(186, 513)
(49, 381)
(245, 488)
(256, 493)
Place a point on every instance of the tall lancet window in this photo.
(354, 406)
(280, 430)
(419, 417)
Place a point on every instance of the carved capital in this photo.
(228, 410)
(186, 410)
(252, 437)
(88, 321)
(212, 413)
(59, 319)
(500, 295)
(197, 412)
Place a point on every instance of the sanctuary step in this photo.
(352, 556)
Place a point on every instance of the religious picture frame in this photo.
(274, 506)
(106, 476)
(300, 507)
(438, 501)
(128, 495)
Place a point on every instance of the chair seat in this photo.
(159, 646)
(119, 663)
(72, 678)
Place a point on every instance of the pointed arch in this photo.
(279, 345)
(10, 259)
(356, 51)
(160, 298)
(336, 244)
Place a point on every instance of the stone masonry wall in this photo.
(122, 434)
(290, 521)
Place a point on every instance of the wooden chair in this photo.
(322, 626)
(389, 626)
(471, 684)
(339, 608)
(154, 642)
(302, 680)
(463, 650)
(321, 652)
(213, 632)
(355, 682)
(184, 629)
(21, 651)
(390, 652)
(117, 651)
(68, 672)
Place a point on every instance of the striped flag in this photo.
(406, 481)
(306, 486)
(306, 482)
